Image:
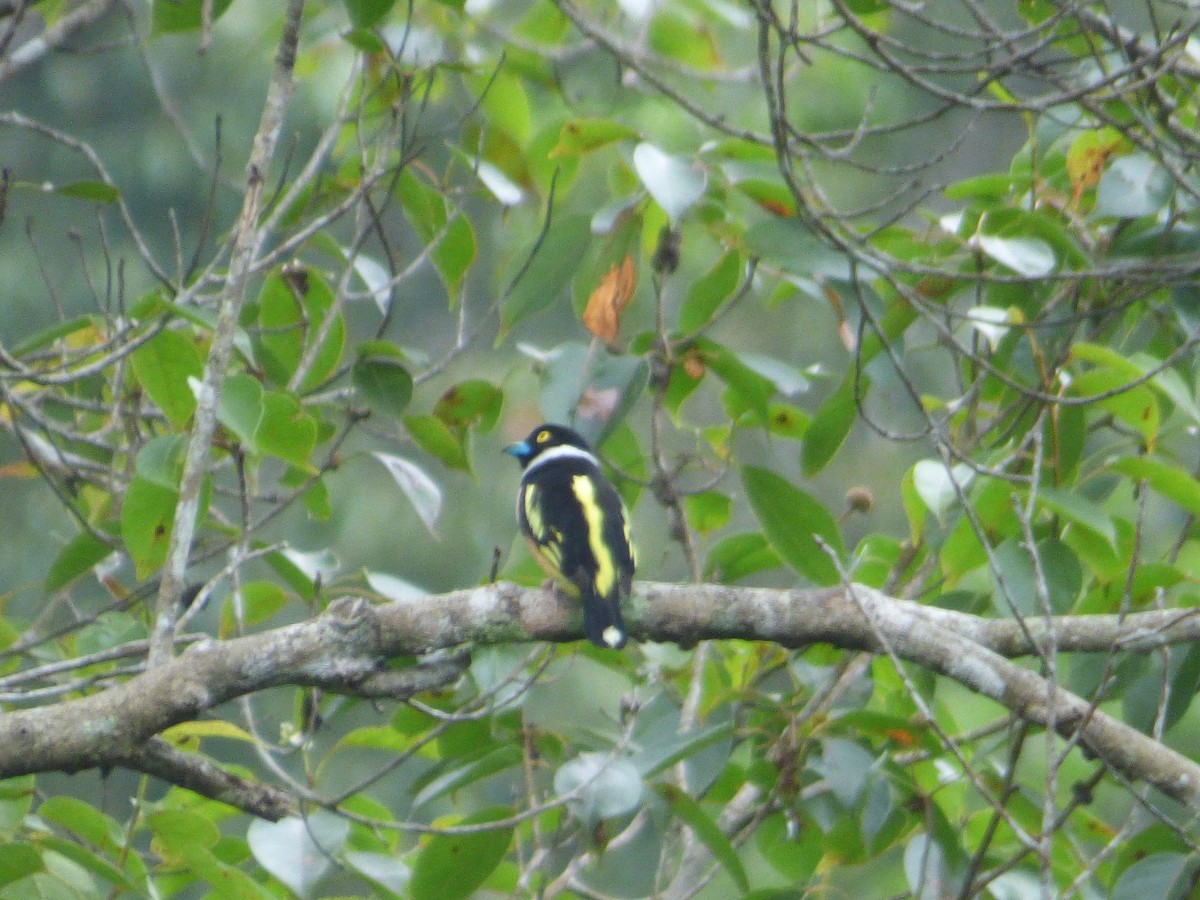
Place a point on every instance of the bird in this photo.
(577, 526)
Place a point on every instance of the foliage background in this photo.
(942, 318)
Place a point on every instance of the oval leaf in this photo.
(1132, 187)
(163, 366)
(421, 490)
(674, 184)
(830, 426)
(706, 829)
(551, 264)
(380, 376)
(1031, 257)
(452, 866)
(606, 786)
(792, 520)
(935, 484)
(298, 851)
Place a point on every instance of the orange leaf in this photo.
(602, 316)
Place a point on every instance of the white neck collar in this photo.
(566, 451)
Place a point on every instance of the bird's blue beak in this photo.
(520, 449)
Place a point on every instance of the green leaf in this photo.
(752, 390)
(790, 245)
(506, 105)
(1164, 875)
(1170, 481)
(379, 374)
(260, 601)
(376, 737)
(470, 404)
(292, 307)
(435, 438)
(771, 195)
(1078, 509)
(1168, 382)
(1137, 407)
(421, 490)
(161, 460)
(738, 556)
(147, 515)
(675, 184)
(240, 408)
(709, 293)
(684, 39)
(81, 818)
(792, 520)
(88, 860)
(1059, 566)
(162, 367)
(298, 851)
(452, 866)
(367, 13)
(604, 786)
(1106, 358)
(847, 767)
(430, 215)
(939, 486)
(227, 882)
(200, 729)
(830, 426)
(1028, 256)
(16, 795)
(549, 270)
(795, 859)
(286, 430)
(580, 136)
(55, 332)
(787, 421)
(384, 869)
(95, 191)
(706, 829)
(297, 577)
(708, 510)
(980, 187)
(1133, 186)
(176, 829)
(75, 559)
(500, 759)
(18, 861)
(590, 80)
(183, 15)
(1184, 682)
(452, 257)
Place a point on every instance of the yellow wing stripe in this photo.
(533, 514)
(606, 570)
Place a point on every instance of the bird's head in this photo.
(543, 438)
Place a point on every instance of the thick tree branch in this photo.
(200, 774)
(348, 648)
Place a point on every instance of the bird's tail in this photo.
(602, 622)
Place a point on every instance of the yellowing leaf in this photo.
(1088, 156)
(186, 731)
(602, 316)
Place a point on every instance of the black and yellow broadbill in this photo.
(577, 526)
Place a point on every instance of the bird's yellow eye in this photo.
(542, 437)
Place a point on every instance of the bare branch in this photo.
(347, 649)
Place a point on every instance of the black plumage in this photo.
(577, 526)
